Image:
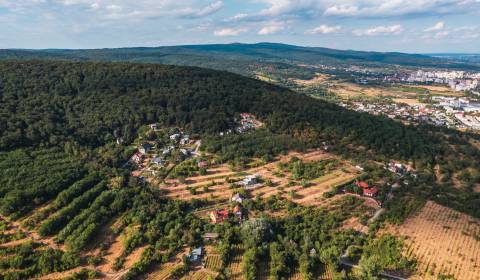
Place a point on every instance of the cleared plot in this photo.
(444, 241)
(214, 186)
(213, 262)
(322, 185)
(62, 275)
(326, 273)
(164, 272)
(295, 275)
(200, 275)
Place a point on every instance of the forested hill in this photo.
(238, 58)
(46, 103)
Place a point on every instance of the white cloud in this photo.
(203, 11)
(359, 8)
(229, 31)
(272, 28)
(379, 30)
(125, 9)
(324, 29)
(439, 31)
(437, 27)
(441, 34)
(388, 8)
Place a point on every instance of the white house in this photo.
(237, 198)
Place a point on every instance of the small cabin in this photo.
(209, 236)
(250, 180)
(237, 198)
(196, 254)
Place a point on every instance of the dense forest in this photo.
(45, 103)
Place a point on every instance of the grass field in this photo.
(444, 241)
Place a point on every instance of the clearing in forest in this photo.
(216, 185)
(444, 241)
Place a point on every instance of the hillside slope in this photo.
(91, 103)
(70, 196)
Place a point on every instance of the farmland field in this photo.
(164, 272)
(444, 241)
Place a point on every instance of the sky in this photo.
(414, 26)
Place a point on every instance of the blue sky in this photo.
(416, 26)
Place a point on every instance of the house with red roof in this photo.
(137, 157)
(219, 216)
(371, 192)
(362, 184)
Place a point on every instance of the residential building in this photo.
(145, 148)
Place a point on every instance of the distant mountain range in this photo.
(239, 57)
(466, 57)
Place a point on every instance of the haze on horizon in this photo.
(414, 26)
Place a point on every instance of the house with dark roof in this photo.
(196, 254)
(145, 148)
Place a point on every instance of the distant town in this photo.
(456, 80)
(459, 108)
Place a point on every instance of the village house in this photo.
(219, 216)
(397, 168)
(175, 137)
(184, 140)
(158, 161)
(185, 152)
(196, 254)
(210, 236)
(366, 189)
(166, 152)
(202, 164)
(371, 192)
(362, 184)
(137, 158)
(237, 198)
(250, 180)
(237, 211)
(145, 148)
(154, 127)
